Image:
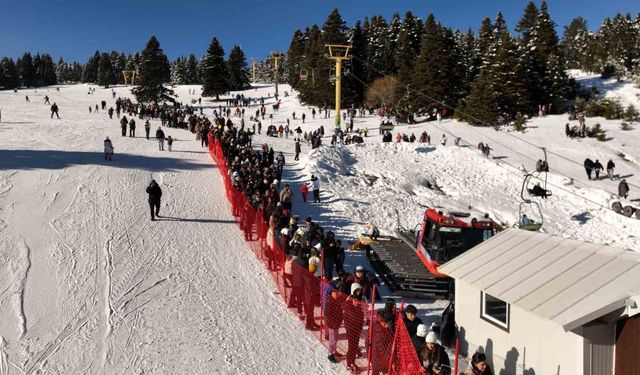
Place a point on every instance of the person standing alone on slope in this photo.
(155, 193)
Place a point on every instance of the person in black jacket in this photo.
(597, 167)
(434, 358)
(588, 167)
(411, 321)
(610, 167)
(160, 138)
(155, 193)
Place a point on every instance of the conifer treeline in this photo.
(484, 74)
(105, 69)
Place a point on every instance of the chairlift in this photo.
(542, 192)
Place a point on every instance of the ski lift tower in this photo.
(276, 56)
(338, 53)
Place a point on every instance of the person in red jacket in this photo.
(333, 319)
(304, 189)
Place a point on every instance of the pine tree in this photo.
(214, 72)
(105, 71)
(485, 41)
(575, 42)
(27, 70)
(358, 69)
(528, 21)
(10, 77)
(481, 107)
(152, 74)
(432, 82)
(90, 72)
(179, 72)
(193, 78)
(295, 55)
(238, 72)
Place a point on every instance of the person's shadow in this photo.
(171, 218)
(510, 362)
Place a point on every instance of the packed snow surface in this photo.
(88, 284)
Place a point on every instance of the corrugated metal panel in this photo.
(550, 276)
(628, 347)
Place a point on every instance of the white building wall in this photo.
(533, 345)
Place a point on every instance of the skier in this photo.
(108, 149)
(132, 128)
(610, 167)
(169, 142)
(443, 140)
(54, 109)
(155, 193)
(597, 167)
(315, 185)
(123, 125)
(588, 167)
(160, 138)
(46, 99)
(623, 189)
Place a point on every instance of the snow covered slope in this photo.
(389, 184)
(89, 285)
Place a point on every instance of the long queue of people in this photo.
(312, 256)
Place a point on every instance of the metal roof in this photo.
(567, 281)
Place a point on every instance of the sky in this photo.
(74, 29)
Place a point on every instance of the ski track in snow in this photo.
(101, 289)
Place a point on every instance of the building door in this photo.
(598, 348)
(628, 346)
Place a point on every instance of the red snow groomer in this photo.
(443, 237)
(439, 238)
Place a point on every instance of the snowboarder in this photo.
(623, 189)
(108, 149)
(160, 138)
(155, 193)
(169, 142)
(147, 128)
(132, 128)
(315, 185)
(588, 167)
(123, 125)
(597, 167)
(610, 167)
(54, 109)
(443, 140)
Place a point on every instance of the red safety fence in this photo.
(359, 337)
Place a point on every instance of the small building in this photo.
(546, 305)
